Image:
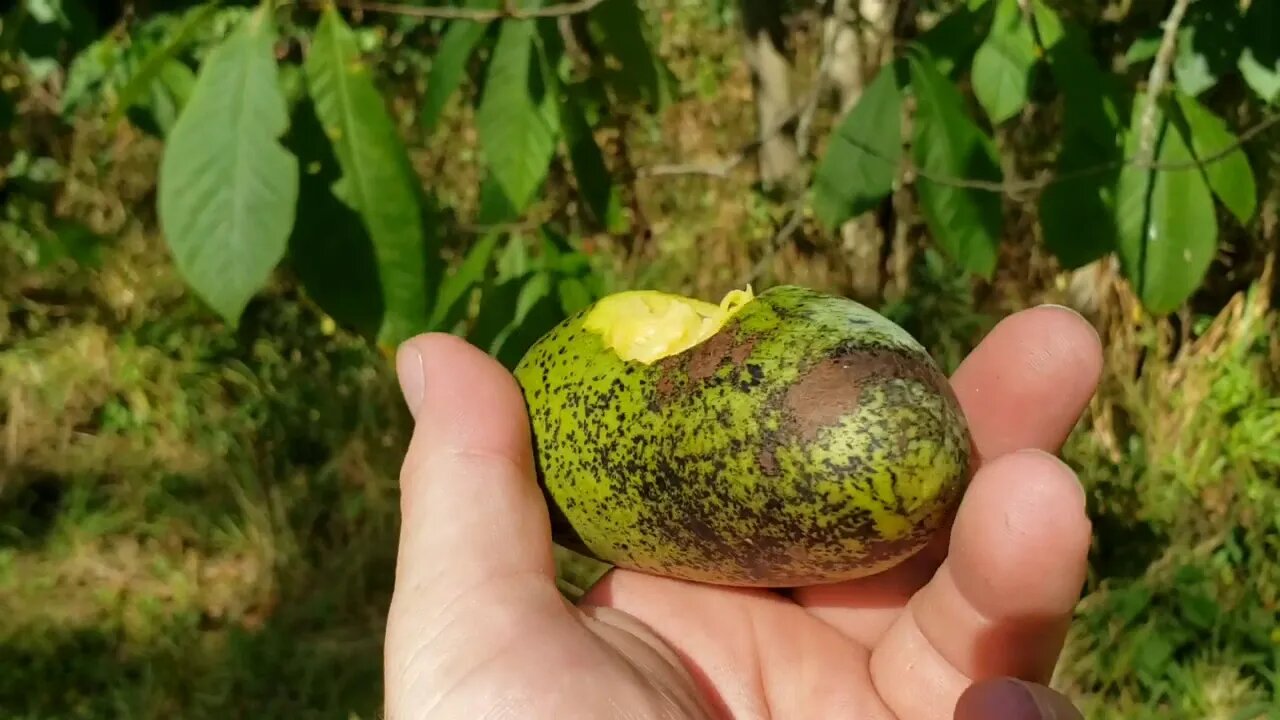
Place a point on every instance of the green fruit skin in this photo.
(809, 441)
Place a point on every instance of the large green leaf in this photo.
(949, 150)
(863, 157)
(377, 179)
(1002, 64)
(1077, 214)
(1168, 231)
(601, 195)
(330, 249)
(449, 64)
(620, 27)
(227, 187)
(1229, 176)
(516, 118)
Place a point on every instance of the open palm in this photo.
(477, 628)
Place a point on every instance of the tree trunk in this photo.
(764, 50)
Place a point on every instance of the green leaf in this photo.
(169, 93)
(227, 187)
(860, 164)
(603, 197)
(515, 120)
(161, 58)
(330, 249)
(1259, 63)
(1002, 64)
(537, 311)
(1143, 49)
(451, 304)
(1049, 27)
(1230, 176)
(1077, 214)
(1168, 230)
(448, 66)
(954, 39)
(620, 28)
(965, 221)
(377, 179)
(497, 299)
(577, 573)
(495, 206)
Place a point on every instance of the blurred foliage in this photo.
(219, 216)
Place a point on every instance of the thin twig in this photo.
(507, 12)
(721, 168)
(1156, 80)
(827, 59)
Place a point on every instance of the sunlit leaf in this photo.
(1230, 176)
(377, 181)
(860, 165)
(1168, 230)
(1002, 64)
(516, 119)
(227, 187)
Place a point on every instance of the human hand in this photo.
(478, 629)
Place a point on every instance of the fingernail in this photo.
(1077, 313)
(1067, 469)
(412, 376)
(1003, 699)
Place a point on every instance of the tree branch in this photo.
(1157, 78)
(721, 168)
(508, 12)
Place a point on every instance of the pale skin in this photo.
(478, 629)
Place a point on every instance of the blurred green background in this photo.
(198, 517)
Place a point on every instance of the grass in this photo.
(174, 496)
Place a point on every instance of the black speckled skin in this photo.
(810, 440)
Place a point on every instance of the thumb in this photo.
(475, 551)
(471, 509)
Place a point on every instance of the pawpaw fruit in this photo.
(782, 439)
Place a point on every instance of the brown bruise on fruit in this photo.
(820, 398)
(757, 457)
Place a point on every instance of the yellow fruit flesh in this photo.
(645, 325)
